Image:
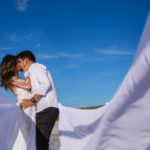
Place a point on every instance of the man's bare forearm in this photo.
(37, 97)
(28, 102)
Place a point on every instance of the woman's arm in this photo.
(25, 84)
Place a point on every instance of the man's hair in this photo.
(26, 54)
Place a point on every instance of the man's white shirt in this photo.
(42, 84)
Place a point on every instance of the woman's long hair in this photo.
(7, 68)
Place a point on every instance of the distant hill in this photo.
(92, 107)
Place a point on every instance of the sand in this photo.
(54, 138)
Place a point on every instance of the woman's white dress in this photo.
(17, 127)
(26, 136)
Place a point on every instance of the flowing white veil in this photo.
(122, 125)
(9, 122)
(17, 129)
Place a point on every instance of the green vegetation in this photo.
(92, 107)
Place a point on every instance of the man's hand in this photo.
(26, 103)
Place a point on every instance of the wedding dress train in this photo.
(122, 125)
(17, 127)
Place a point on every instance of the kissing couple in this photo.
(36, 96)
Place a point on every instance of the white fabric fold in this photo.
(125, 122)
(17, 127)
(9, 123)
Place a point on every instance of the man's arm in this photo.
(27, 102)
(37, 75)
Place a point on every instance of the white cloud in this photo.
(114, 52)
(59, 55)
(72, 66)
(15, 38)
(37, 45)
(46, 56)
(92, 58)
(70, 55)
(7, 48)
(22, 5)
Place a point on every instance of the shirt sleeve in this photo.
(39, 74)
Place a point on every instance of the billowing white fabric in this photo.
(25, 139)
(123, 124)
(17, 127)
(77, 127)
(9, 123)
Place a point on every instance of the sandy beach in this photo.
(54, 138)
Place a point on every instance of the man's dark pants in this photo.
(45, 121)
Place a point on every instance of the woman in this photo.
(9, 78)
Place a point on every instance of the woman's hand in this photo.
(14, 81)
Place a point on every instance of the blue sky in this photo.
(88, 45)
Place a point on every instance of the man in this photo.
(44, 98)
